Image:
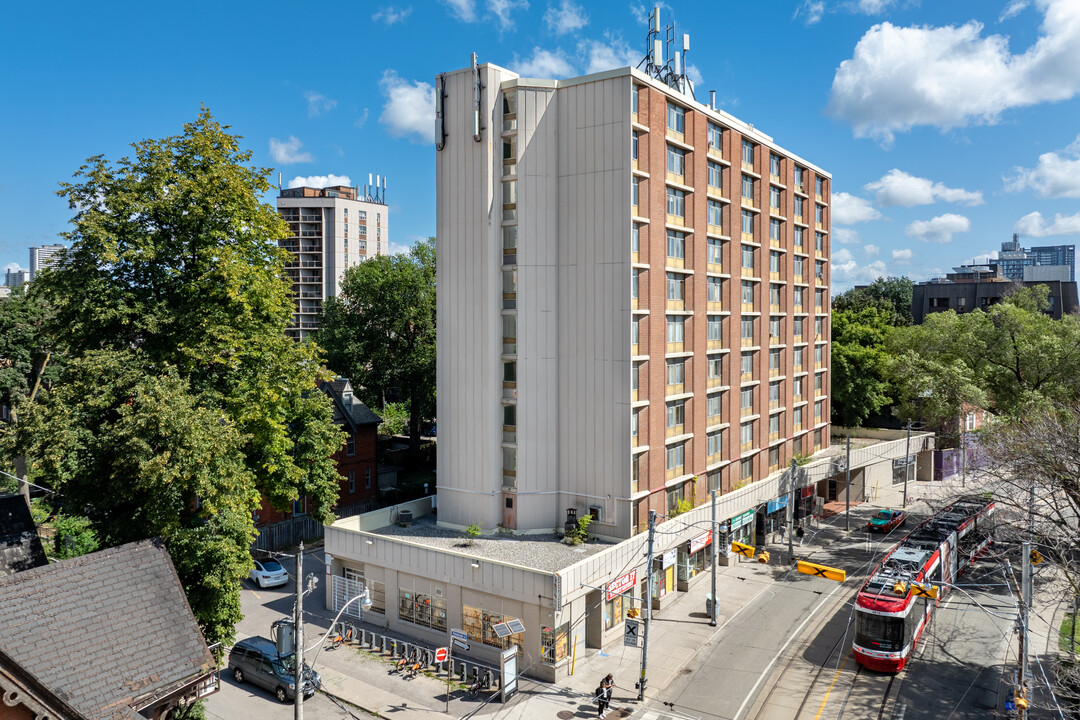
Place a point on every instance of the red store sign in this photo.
(700, 541)
(626, 582)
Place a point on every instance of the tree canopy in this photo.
(182, 398)
(380, 332)
(891, 294)
(860, 364)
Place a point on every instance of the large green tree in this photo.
(24, 345)
(181, 399)
(860, 364)
(891, 294)
(380, 331)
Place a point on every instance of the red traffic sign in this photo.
(441, 654)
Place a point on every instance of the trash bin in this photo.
(709, 604)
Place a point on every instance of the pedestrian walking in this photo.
(783, 529)
(603, 693)
(800, 533)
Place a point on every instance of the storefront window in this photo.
(554, 643)
(479, 626)
(614, 611)
(420, 609)
(376, 590)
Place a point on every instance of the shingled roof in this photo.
(106, 632)
(20, 546)
(353, 410)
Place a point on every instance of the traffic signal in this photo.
(633, 612)
(1036, 557)
(829, 573)
(899, 589)
(763, 556)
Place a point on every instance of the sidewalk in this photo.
(678, 634)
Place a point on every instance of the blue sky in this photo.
(947, 126)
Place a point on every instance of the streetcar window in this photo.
(878, 632)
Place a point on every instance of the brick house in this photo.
(356, 462)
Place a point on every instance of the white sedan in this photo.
(268, 573)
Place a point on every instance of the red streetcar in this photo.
(889, 617)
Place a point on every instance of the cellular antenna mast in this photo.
(672, 70)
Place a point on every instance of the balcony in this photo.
(748, 342)
(748, 272)
(714, 229)
(715, 382)
(678, 305)
(674, 430)
(748, 237)
(673, 347)
(714, 306)
(748, 166)
(714, 345)
(675, 220)
(311, 218)
(747, 202)
(715, 268)
(715, 152)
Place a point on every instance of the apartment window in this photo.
(748, 152)
(746, 469)
(509, 282)
(796, 416)
(819, 299)
(676, 372)
(676, 118)
(635, 331)
(676, 202)
(774, 328)
(635, 238)
(747, 328)
(799, 177)
(819, 354)
(299, 506)
(367, 478)
(510, 371)
(634, 145)
(939, 302)
(712, 407)
(819, 185)
(747, 293)
(774, 164)
(350, 445)
(774, 230)
(797, 358)
(426, 610)
(509, 236)
(798, 206)
(819, 383)
(774, 262)
(796, 387)
(675, 496)
(817, 411)
(774, 294)
(634, 99)
(746, 433)
(676, 328)
(819, 327)
(676, 244)
(509, 459)
(510, 147)
(748, 223)
(774, 392)
(676, 160)
(676, 286)
(746, 364)
(676, 457)
(714, 328)
(715, 209)
(715, 138)
(799, 295)
(747, 257)
(676, 414)
(635, 376)
(746, 400)
(714, 251)
(774, 197)
(798, 260)
(634, 423)
(819, 242)
(774, 452)
(712, 443)
(509, 334)
(714, 175)
(715, 290)
(509, 192)
(819, 214)
(798, 235)
(774, 425)
(774, 361)
(634, 191)
(510, 415)
(352, 481)
(714, 364)
(748, 188)
(819, 269)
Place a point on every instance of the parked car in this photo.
(886, 520)
(268, 573)
(256, 660)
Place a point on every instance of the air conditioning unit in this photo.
(597, 513)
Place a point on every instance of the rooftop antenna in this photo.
(712, 99)
(654, 46)
(672, 70)
(279, 182)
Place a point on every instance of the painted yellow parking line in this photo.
(831, 686)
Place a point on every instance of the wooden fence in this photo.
(289, 533)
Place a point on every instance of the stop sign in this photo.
(441, 654)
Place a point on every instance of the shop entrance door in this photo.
(594, 620)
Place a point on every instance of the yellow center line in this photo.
(832, 685)
(255, 594)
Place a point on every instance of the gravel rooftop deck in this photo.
(540, 552)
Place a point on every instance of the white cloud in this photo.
(846, 236)
(902, 256)
(13, 267)
(464, 10)
(848, 209)
(287, 152)
(691, 71)
(568, 17)
(898, 188)
(613, 52)
(410, 108)
(1056, 175)
(811, 10)
(362, 120)
(842, 255)
(871, 250)
(846, 274)
(502, 9)
(641, 11)
(953, 76)
(1034, 225)
(939, 229)
(1013, 9)
(318, 104)
(391, 14)
(543, 64)
(320, 181)
(874, 7)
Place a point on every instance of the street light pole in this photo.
(790, 514)
(298, 637)
(847, 488)
(907, 462)
(648, 605)
(716, 560)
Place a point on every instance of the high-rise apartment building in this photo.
(633, 301)
(1045, 262)
(16, 277)
(42, 256)
(333, 229)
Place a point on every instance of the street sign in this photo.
(670, 556)
(460, 644)
(458, 634)
(829, 573)
(741, 549)
(626, 582)
(630, 635)
(440, 654)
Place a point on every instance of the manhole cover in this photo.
(623, 713)
(564, 714)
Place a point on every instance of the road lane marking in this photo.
(836, 677)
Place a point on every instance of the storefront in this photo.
(619, 599)
(741, 528)
(772, 516)
(694, 559)
(663, 577)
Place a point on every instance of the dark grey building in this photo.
(977, 287)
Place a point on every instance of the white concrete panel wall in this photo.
(469, 338)
(594, 289)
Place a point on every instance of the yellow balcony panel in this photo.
(714, 382)
(675, 178)
(673, 347)
(747, 202)
(774, 308)
(748, 237)
(715, 152)
(714, 229)
(633, 396)
(634, 303)
(675, 262)
(748, 272)
(676, 220)
(635, 349)
(746, 446)
(746, 377)
(774, 372)
(799, 219)
(673, 473)
(748, 166)
(748, 342)
(634, 257)
(676, 305)
(715, 306)
(743, 412)
(748, 307)
(774, 210)
(715, 345)
(675, 135)
(676, 389)
(673, 431)
(775, 179)
(715, 268)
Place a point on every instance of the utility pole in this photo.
(907, 462)
(790, 514)
(1025, 615)
(298, 636)
(716, 560)
(648, 606)
(963, 458)
(847, 488)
